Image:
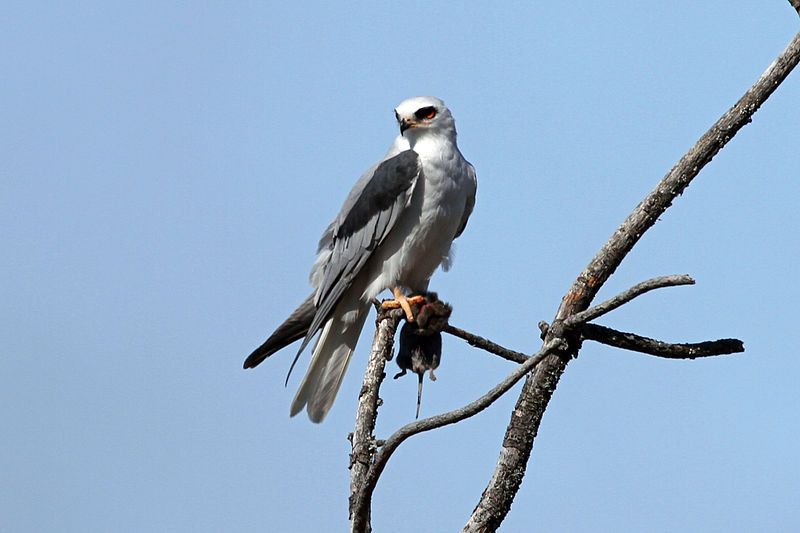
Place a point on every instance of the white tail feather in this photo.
(329, 363)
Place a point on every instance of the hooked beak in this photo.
(406, 124)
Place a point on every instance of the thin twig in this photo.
(495, 502)
(626, 296)
(362, 500)
(638, 343)
(486, 344)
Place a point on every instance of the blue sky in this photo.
(167, 169)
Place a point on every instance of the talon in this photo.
(433, 377)
(401, 301)
(416, 300)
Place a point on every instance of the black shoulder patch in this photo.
(391, 179)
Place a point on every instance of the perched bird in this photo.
(395, 228)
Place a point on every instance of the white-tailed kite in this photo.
(395, 228)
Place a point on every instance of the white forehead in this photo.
(408, 107)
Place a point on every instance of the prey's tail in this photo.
(419, 392)
(293, 328)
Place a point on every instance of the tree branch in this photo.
(486, 344)
(626, 296)
(362, 439)
(637, 343)
(495, 501)
(362, 500)
(795, 5)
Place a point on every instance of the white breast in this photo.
(422, 236)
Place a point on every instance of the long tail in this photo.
(419, 392)
(293, 328)
(329, 362)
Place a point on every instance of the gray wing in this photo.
(367, 217)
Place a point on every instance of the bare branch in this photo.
(496, 500)
(361, 501)
(626, 296)
(637, 343)
(363, 438)
(486, 344)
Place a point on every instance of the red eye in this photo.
(426, 113)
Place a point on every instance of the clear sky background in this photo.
(167, 169)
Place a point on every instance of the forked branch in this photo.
(624, 297)
(496, 499)
(361, 499)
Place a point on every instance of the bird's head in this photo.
(423, 115)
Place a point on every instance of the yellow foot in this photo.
(401, 301)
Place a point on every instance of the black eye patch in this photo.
(425, 113)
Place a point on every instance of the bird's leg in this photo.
(400, 300)
(403, 301)
(433, 377)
